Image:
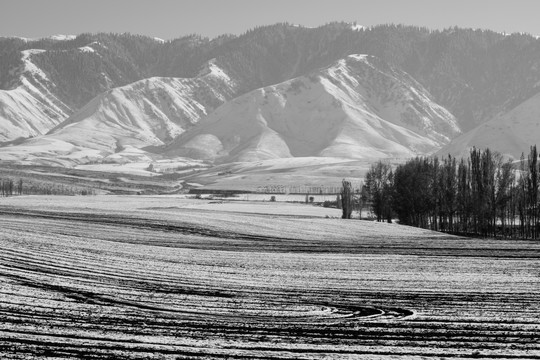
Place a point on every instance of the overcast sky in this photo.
(170, 19)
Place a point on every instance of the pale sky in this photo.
(169, 19)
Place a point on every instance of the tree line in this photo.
(481, 195)
(10, 187)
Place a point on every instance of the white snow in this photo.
(60, 37)
(509, 133)
(217, 71)
(212, 70)
(353, 109)
(31, 67)
(25, 39)
(336, 112)
(30, 109)
(134, 168)
(86, 49)
(302, 26)
(147, 112)
(52, 37)
(357, 27)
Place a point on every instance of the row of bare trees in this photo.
(479, 196)
(9, 188)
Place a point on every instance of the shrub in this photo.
(329, 204)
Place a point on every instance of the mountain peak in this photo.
(357, 108)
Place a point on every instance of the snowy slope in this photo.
(41, 87)
(357, 108)
(31, 108)
(510, 133)
(149, 112)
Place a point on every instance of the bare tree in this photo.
(346, 199)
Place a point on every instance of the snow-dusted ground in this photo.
(246, 203)
(159, 278)
(295, 174)
(298, 175)
(141, 164)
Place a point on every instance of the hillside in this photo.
(357, 108)
(510, 133)
(475, 74)
(120, 121)
(30, 108)
(43, 82)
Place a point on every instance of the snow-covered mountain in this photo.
(472, 73)
(44, 81)
(359, 108)
(149, 112)
(510, 133)
(103, 85)
(30, 108)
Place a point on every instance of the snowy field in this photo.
(151, 277)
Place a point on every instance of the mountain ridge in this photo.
(454, 65)
(474, 74)
(356, 108)
(147, 112)
(305, 116)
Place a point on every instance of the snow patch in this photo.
(29, 52)
(357, 27)
(359, 57)
(21, 38)
(29, 66)
(86, 49)
(217, 71)
(302, 26)
(60, 37)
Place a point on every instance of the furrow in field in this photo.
(131, 287)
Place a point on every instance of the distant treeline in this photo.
(481, 195)
(9, 187)
(290, 189)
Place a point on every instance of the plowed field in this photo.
(139, 278)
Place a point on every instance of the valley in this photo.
(179, 199)
(175, 196)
